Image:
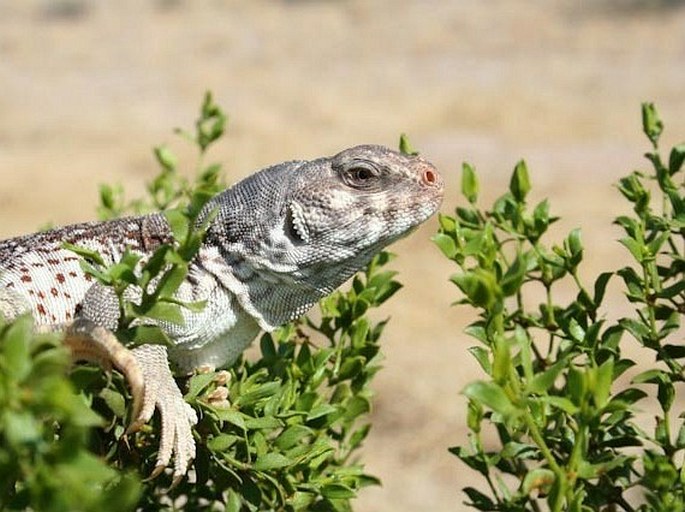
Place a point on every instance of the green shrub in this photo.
(45, 463)
(566, 431)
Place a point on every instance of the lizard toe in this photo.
(177, 417)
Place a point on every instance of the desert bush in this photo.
(565, 430)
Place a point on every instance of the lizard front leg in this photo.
(146, 368)
(152, 385)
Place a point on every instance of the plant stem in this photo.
(539, 440)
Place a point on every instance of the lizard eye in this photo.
(360, 176)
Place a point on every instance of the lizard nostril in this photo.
(429, 177)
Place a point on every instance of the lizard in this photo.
(280, 240)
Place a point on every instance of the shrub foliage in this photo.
(566, 431)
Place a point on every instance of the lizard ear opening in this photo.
(295, 226)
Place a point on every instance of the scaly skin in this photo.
(283, 238)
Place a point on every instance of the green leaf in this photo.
(356, 406)
(475, 462)
(655, 245)
(20, 428)
(469, 183)
(292, 435)
(233, 417)
(574, 243)
(222, 442)
(676, 159)
(600, 287)
(560, 402)
(680, 441)
(541, 218)
(120, 272)
(351, 367)
(198, 383)
(405, 147)
(446, 244)
(265, 422)
(447, 223)
(115, 401)
(521, 451)
(178, 223)
(154, 265)
(672, 291)
(639, 330)
(88, 254)
(166, 158)
(666, 396)
(602, 385)
(107, 198)
(478, 499)
(501, 364)
(16, 348)
(172, 279)
(164, 311)
(652, 377)
(234, 503)
(479, 286)
(272, 460)
(513, 278)
(146, 334)
(576, 383)
(257, 393)
(545, 380)
(337, 492)
(195, 307)
(633, 189)
(491, 395)
(483, 357)
(359, 435)
(651, 123)
(629, 396)
(519, 186)
(589, 471)
(540, 479)
(468, 216)
(576, 331)
(634, 284)
(673, 351)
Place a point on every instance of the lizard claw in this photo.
(177, 416)
(152, 385)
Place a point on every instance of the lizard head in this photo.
(349, 206)
(294, 232)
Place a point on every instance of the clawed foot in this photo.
(152, 385)
(177, 416)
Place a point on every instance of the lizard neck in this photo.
(272, 299)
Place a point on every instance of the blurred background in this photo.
(88, 87)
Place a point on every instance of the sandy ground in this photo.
(87, 88)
